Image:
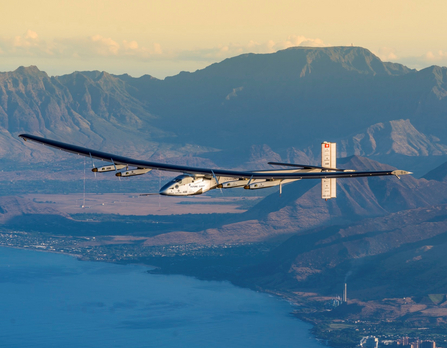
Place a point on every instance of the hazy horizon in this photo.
(162, 39)
(118, 71)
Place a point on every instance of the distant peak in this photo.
(362, 163)
(103, 75)
(92, 74)
(32, 69)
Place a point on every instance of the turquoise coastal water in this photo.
(51, 300)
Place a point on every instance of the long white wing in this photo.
(82, 151)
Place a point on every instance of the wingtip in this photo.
(401, 172)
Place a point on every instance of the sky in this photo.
(162, 38)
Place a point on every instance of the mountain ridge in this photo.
(237, 99)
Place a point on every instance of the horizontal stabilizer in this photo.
(307, 166)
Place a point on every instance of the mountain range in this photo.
(385, 234)
(288, 101)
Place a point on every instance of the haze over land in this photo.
(387, 234)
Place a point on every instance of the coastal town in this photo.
(404, 342)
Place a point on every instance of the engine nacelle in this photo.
(133, 172)
(262, 184)
(233, 183)
(109, 168)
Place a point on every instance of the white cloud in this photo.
(427, 59)
(230, 50)
(296, 40)
(30, 39)
(30, 44)
(435, 57)
(104, 46)
(132, 45)
(386, 54)
(414, 62)
(157, 48)
(96, 46)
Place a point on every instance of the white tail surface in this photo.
(328, 160)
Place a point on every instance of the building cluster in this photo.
(369, 342)
(337, 301)
(333, 302)
(404, 342)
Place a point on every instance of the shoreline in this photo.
(158, 270)
(157, 306)
(78, 256)
(344, 327)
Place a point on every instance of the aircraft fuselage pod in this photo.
(187, 185)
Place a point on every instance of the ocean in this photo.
(53, 300)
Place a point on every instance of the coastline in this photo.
(77, 256)
(123, 306)
(343, 326)
(157, 269)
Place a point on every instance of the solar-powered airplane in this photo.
(195, 181)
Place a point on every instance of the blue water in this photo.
(50, 300)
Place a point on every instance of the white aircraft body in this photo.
(195, 181)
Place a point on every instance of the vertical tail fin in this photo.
(328, 160)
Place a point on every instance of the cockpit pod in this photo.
(185, 185)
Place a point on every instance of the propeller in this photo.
(116, 170)
(93, 165)
(217, 182)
